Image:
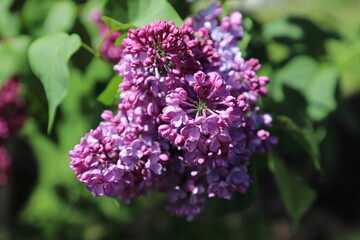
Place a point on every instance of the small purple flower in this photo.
(220, 189)
(209, 125)
(187, 200)
(175, 115)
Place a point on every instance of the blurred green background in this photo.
(311, 52)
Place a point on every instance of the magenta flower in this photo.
(12, 108)
(109, 50)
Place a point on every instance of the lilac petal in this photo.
(177, 120)
(191, 132)
(156, 168)
(190, 145)
(210, 126)
(214, 145)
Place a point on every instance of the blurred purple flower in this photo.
(109, 50)
(12, 108)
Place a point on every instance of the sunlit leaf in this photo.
(248, 25)
(317, 83)
(282, 28)
(150, 11)
(111, 93)
(142, 12)
(48, 57)
(115, 25)
(321, 93)
(297, 74)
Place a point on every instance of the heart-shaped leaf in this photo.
(48, 58)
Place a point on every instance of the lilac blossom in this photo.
(12, 118)
(108, 50)
(12, 108)
(225, 33)
(187, 122)
(120, 157)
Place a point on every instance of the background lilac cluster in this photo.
(12, 118)
(108, 50)
(187, 123)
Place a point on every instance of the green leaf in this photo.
(321, 94)
(297, 196)
(142, 12)
(115, 25)
(13, 56)
(297, 74)
(60, 18)
(9, 23)
(277, 52)
(48, 58)
(98, 70)
(117, 10)
(33, 14)
(42, 17)
(248, 25)
(281, 28)
(112, 23)
(119, 40)
(305, 137)
(111, 93)
(150, 11)
(317, 83)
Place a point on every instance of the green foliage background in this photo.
(311, 52)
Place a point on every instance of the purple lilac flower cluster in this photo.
(109, 51)
(12, 118)
(187, 123)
